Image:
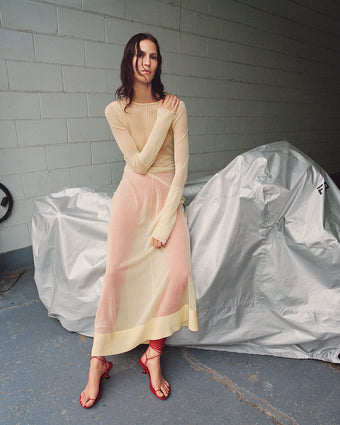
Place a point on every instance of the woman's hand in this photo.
(157, 244)
(170, 102)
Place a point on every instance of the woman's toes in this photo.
(165, 388)
(85, 399)
(86, 402)
(82, 400)
(89, 403)
(160, 393)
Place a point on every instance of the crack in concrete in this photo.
(248, 397)
(23, 304)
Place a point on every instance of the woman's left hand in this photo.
(157, 244)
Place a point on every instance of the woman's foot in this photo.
(158, 382)
(97, 369)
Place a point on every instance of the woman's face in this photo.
(147, 61)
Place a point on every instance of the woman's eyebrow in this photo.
(152, 53)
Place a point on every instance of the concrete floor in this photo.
(44, 368)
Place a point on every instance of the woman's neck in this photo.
(142, 93)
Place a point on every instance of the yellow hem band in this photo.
(158, 327)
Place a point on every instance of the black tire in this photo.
(8, 200)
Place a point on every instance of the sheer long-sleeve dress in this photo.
(147, 293)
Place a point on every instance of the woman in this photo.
(148, 292)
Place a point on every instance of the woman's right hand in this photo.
(170, 102)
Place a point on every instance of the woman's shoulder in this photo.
(181, 108)
(115, 107)
(181, 105)
(180, 100)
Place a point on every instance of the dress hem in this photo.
(159, 327)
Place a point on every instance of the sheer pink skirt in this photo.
(148, 293)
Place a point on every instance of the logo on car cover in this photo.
(322, 186)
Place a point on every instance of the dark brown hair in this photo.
(127, 75)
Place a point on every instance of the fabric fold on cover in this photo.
(265, 247)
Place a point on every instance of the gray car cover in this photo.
(265, 256)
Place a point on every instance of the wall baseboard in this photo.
(17, 259)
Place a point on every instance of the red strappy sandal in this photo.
(156, 345)
(108, 367)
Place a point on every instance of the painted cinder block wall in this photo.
(251, 72)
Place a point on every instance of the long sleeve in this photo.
(143, 160)
(168, 214)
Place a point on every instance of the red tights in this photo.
(157, 344)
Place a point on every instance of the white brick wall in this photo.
(84, 25)
(63, 105)
(28, 76)
(19, 105)
(3, 76)
(28, 16)
(16, 44)
(251, 72)
(41, 132)
(82, 176)
(107, 7)
(59, 50)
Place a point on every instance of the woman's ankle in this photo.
(157, 345)
(100, 358)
